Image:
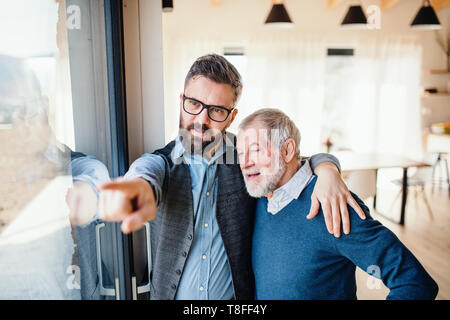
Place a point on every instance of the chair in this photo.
(439, 160)
(418, 181)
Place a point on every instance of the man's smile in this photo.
(251, 176)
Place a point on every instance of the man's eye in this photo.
(192, 103)
(217, 110)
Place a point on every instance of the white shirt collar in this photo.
(291, 190)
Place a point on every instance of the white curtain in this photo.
(287, 72)
(385, 108)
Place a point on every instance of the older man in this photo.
(296, 259)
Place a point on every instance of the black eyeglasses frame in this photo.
(207, 106)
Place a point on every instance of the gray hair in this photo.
(279, 127)
(218, 69)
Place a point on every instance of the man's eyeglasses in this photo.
(215, 113)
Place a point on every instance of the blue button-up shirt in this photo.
(206, 274)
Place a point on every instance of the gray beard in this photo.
(269, 183)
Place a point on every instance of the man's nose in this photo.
(202, 117)
(245, 161)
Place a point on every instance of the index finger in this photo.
(128, 187)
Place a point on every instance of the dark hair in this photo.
(218, 69)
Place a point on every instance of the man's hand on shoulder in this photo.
(333, 195)
(116, 203)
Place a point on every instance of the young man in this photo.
(194, 193)
(296, 259)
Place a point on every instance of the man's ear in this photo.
(181, 100)
(233, 115)
(288, 150)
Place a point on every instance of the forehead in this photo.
(209, 91)
(253, 134)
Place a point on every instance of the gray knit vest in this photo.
(172, 230)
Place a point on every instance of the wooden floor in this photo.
(428, 239)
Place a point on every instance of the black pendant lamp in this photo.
(278, 16)
(426, 18)
(167, 5)
(355, 18)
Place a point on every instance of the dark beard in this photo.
(196, 145)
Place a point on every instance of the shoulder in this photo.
(153, 157)
(160, 156)
(166, 150)
(354, 215)
(355, 221)
(367, 229)
(147, 162)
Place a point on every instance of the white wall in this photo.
(238, 21)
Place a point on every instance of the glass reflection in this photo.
(36, 244)
(47, 234)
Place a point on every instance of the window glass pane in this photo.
(239, 60)
(54, 150)
(338, 97)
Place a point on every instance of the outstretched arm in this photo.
(142, 185)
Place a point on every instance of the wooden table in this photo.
(351, 161)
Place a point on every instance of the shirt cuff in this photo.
(317, 159)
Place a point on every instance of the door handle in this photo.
(104, 291)
(145, 287)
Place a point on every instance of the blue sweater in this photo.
(296, 258)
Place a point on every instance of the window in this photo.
(237, 57)
(60, 134)
(338, 98)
